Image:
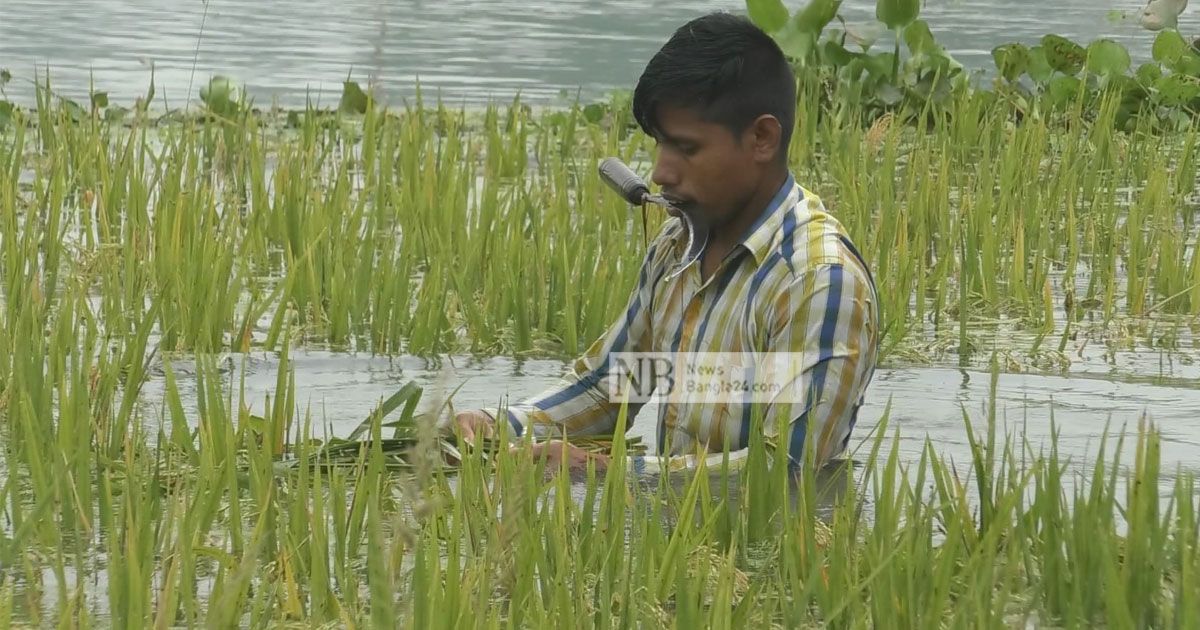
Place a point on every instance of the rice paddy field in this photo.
(225, 336)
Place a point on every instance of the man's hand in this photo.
(474, 424)
(555, 451)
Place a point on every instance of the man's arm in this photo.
(822, 346)
(580, 404)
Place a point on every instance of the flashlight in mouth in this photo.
(634, 190)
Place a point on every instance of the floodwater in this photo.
(291, 50)
(925, 402)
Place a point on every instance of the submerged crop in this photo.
(129, 244)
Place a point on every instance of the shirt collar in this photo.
(759, 238)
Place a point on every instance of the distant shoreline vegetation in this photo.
(919, 78)
(916, 79)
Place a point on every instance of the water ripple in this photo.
(283, 49)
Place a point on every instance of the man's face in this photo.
(707, 171)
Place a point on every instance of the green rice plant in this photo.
(510, 542)
(404, 231)
(128, 249)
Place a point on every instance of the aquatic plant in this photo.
(405, 231)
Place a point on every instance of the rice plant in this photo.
(129, 245)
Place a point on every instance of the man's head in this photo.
(720, 99)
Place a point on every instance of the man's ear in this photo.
(765, 134)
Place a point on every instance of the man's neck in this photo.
(725, 237)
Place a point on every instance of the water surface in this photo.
(290, 50)
(925, 402)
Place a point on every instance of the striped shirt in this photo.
(794, 284)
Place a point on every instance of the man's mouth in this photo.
(679, 203)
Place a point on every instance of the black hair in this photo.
(725, 69)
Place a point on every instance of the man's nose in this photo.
(665, 174)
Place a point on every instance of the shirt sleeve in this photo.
(821, 353)
(583, 401)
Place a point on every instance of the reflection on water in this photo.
(291, 49)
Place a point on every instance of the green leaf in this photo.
(1131, 107)
(594, 112)
(795, 43)
(1148, 73)
(1039, 69)
(798, 38)
(115, 113)
(1168, 47)
(1063, 54)
(219, 95)
(1106, 58)
(769, 15)
(864, 34)
(6, 110)
(879, 65)
(100, 100)
(897, 13)
(1063, 90)
(5, 76)
(889, 94)
(74, 109)
(933, 86)
(944, 64)
(919, 38)
(354, 100)
(1177, 89)
(407, 395)
(145, 104)
(1128, 87)
(815, 16)
(1012, 60)
(1188, 63)
(837, 55)
(851, 73)
(258, 424)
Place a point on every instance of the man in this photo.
(772, 280)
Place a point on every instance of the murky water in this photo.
(926, 403)
(469, 51)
